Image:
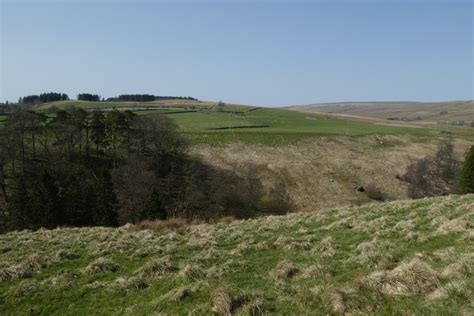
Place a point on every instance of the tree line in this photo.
(111, 168)
(136, 97)
(148, 98)
(88, 97)
(55, 96)
(43, 98)
(441, 173)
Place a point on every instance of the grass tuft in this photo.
(156, 268)
(285, 269)
(222, 301)
(101, 265)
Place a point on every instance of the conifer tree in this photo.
(17, 206)
(154, 209)
(106, 204)
(44, 207)
(466, 180)
(97, 128)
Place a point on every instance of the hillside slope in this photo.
(324, 172)
(427, 111)
(210, 123)
(402, 257)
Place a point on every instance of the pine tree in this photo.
(106, 204)
(17, 206)
(154, 208)
(78, 200)
(44, 207)
(97, 127)
(466, 180)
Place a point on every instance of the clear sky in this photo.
(270, 53)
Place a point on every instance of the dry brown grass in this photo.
(336, 301)
(321, 173)
(36, 261)
(156, 268)
(413, 277)
(461, 268)
(222, 301)
(224, 220)
(458, 288)
(63, 254)
(130, 283)
(177, 224)
(428, 111)
(177, 294)
(25, 269)
(326, 247)
(255, 307)
(316, 271)
(57, 282)
(192, 272)
(101, 265)
(15, 271)
(372, 253)
(24, 288)
(455, 225)
(285, 269)
(350, 273)
(171, 224)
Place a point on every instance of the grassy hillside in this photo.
(276, 126)
(87, 105)
(428, 111)
(205, 122)
(323, 172)
(396, 258)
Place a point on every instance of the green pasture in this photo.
(207, 122)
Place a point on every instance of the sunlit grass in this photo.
(380, 258)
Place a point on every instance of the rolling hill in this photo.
(409, 111)
(206, 122)
(316, 156)
(404, 257)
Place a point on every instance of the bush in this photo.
(433, 176)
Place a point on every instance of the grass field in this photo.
(183, 104)
(398, 258)
(206, 122)
(283, 127)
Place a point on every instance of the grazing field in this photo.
(88, 105)
(283, 127)
(404, 257)
(207, 122)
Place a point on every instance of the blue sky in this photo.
(269, 53)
